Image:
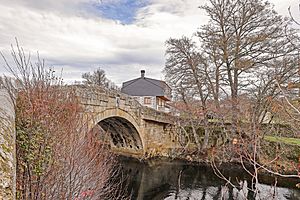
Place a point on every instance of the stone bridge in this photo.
(132, 129)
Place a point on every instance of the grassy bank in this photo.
(285, 140)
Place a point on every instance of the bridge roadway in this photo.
(133, 130)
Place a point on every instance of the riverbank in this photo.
(163, 178)
(226, 159)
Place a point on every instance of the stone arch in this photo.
(123, 129)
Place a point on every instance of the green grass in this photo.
(286, 140)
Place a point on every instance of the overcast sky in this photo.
(120, 36)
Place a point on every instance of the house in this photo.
(148, 92)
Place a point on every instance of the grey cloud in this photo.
(62, 6)
(67, 38)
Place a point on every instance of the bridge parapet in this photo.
(157, 116)
(96, 100)
(96, 97)
(96, 94)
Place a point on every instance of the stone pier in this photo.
(7, 147)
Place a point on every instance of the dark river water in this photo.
(157, 180)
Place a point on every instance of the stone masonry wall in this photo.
(153, 126)
(7, 147)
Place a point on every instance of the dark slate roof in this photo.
(144, 86)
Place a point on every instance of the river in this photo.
(168, 180)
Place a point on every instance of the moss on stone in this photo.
(6, 148)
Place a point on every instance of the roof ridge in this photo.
(132, 81)
(162, 81)
(154, 83)
(156, 79)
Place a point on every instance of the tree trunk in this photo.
(234, 102)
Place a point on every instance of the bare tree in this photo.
(184, 71)
(247, 51)
(98, 77)
(245, 36)
(57, 156)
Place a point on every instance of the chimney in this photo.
(142, 73)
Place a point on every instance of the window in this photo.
(160, 102)
(147, 100)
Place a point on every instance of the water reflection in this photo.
(176, 180)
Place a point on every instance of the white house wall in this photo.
(140, 99)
